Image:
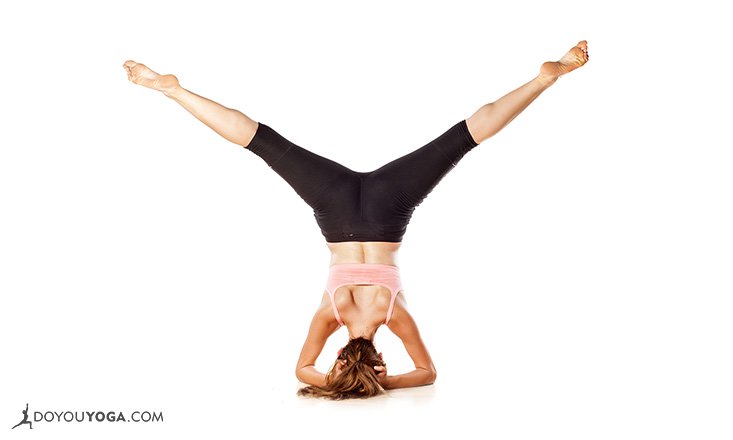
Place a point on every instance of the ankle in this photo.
(174, 92)
(546, 80)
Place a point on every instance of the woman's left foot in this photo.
(141, 74)
(576, 57)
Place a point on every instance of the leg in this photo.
(491, 118)
(315, 178)
(392, 192)
(307, 173)
(231, 124)
(331, 189)
(397, 188)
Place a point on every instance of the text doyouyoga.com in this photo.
(89, 416)
(96, 416)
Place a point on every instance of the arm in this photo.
(405, 328)
(322, 326)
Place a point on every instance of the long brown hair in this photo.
(358, 378)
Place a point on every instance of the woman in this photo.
(363, 216)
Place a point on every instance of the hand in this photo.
(381, 375)
(338, 368)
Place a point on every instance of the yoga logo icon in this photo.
(25, 419)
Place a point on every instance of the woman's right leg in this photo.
(491, 118)
(398, 187)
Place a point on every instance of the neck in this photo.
(364, 332)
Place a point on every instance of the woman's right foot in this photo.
(143, 75)
(576, 57)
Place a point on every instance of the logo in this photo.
(89, 417)
(25, 419)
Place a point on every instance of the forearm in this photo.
(231, 124)
(309, 375)
(415, 378)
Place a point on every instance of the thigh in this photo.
(413, 176)
(309, 174)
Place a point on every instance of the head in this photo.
(352, 376)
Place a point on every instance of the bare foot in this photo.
(143, 75)
(576, 57)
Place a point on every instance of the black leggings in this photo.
(355, 206)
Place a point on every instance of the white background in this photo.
(571, 276)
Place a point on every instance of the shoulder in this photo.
(324, 313)
(404, 327)
(401, 322)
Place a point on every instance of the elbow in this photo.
(432, 375)
(299, 373)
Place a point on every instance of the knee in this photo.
(474, 126)
(245, 130)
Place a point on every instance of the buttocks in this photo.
(363, 207)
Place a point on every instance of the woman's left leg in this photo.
(229, 123)
(313, 177)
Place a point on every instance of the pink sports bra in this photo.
(364, 273)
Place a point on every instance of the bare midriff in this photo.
(369, 252)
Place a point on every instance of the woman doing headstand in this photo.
(363, 217)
